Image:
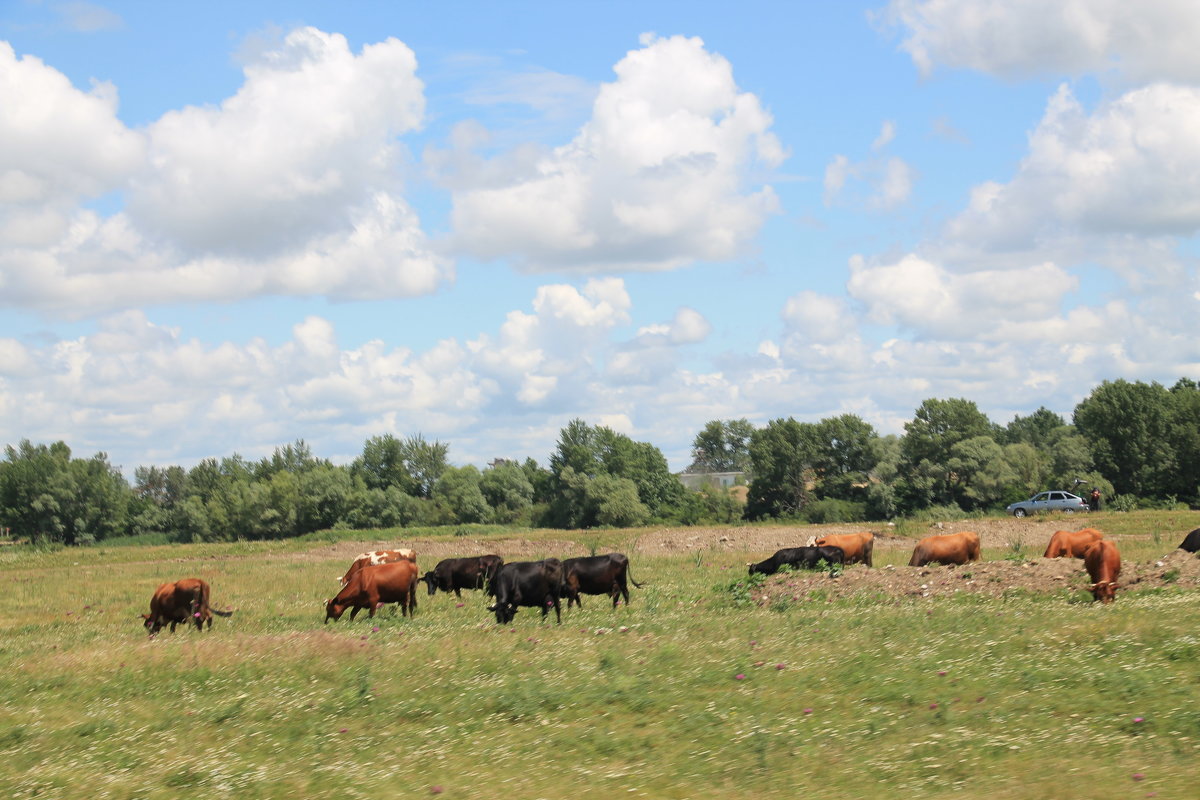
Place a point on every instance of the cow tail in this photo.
(629, 574)
(220, 613)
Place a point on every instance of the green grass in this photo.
(1038, 698)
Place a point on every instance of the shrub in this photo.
(741, 591)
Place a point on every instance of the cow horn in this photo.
(749, 563)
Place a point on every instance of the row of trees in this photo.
(1132, 440)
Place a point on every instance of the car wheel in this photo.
(1069, 510)
(1018, 512)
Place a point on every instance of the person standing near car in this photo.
(1094, 500)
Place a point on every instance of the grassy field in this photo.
(680, 695)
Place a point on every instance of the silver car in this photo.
(1048, 501)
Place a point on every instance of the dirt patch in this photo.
(1032, 534)
(992, 578)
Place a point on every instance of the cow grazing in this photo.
(597, 575)
(1071, 544)
(1103, 563)
(375, 558)
(799, 557)
(534, 584)
(456, 574)
(856, 546)
(180, 602)
(947, 548)
(372, 586)
(1191, 542)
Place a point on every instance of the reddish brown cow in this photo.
(372, 586)
(377, 557)
(1071, 544)
(180, 602)
(1103, 563)
(947, 548)
(856, 546)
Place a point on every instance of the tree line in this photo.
(1138, 443)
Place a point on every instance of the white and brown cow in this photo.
(375, 558)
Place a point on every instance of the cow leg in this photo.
(557, 609)
(624, 589)
(354, 612)
(457, 593)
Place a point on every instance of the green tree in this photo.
(45, 495)
(426, 461)
(1184, 483)
(782, 457)
(845, 456)
(722, 446)
(585, 453)
(1128, 429)
(382, 464)
(508, 491)
(458, 489)
(615, 502)
(1035, 429)
(980, 472)
(927, 448)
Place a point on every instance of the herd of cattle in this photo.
(382, 577)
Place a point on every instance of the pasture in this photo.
(685, 693)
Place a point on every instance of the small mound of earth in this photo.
(992, 578)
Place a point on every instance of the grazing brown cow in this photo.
(377, 557)
(372, 586)
(947, 548)
(1103, 563)
(1071, 544)
(180, 602)
(856, 546)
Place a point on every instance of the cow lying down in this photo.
(799, 558)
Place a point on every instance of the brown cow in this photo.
(180, 602)
(856, 546)
(372, 586)
(947, 548)
(377, 557)
(1103, 563)
(1071, 544)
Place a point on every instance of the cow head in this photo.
(431, 581)
(151, 624)
(333, 610)
(1104, 591)
(504, 612)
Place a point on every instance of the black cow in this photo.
(801, 557)
(1191, 542)
(535, 584)
(597, 575)
(455, 574)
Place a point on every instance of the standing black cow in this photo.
(597, 575)
(801, 557)
(455, 574)
(534, 584)
(1191, 542)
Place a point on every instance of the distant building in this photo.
(501, 462)
(721, 480)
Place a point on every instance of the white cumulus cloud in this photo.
(292, 186)
(656, 178)
(1143, 41)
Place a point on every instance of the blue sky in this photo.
(227, 226)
